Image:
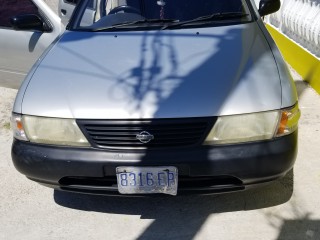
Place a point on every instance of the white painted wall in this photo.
(300, 21)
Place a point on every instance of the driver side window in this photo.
(11, 8)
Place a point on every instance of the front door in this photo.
(19, 49)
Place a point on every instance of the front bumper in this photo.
(205, 169)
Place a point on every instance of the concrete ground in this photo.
(53, 4)
(286, 209)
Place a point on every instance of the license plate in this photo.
(147, 180)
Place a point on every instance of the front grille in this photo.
(166, 132)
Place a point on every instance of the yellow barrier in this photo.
(307, 65)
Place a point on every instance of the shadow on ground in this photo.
(301, 87)
(298, 229)
(186, 213)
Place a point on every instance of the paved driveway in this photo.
(53, 4)
(286, 209)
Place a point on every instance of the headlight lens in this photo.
(289, 121)
(54, 131)
(244, 128)
(17, 127)
(254, 127)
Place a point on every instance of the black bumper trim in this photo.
(251, 163)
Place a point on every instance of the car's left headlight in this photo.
(253, 127)
(54, 131)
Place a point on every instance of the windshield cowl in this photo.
(136, 24)
(213, 17)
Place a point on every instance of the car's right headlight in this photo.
(54, 131)
(254, 126)
(288, 122)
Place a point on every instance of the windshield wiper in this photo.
(138, 23)
(211, 17)
(156, 20)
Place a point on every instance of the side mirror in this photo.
(28, 22)
(268, 6)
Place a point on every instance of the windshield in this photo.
(113, 15)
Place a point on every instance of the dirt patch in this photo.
(7, 97)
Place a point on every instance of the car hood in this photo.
(156, 74)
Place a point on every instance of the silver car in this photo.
(157, 96)
(19, 50)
